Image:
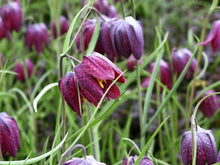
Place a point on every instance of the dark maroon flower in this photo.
(19, 69)
(11, 14)
(206, 148)
(213, 36)
(103, 7)
(88, 29)
(36, 35)
(64, 26)
(131, 63)
(9, 135)
(165, 74)
(127, 37)
(82, 161)
(210, 105)
(105, 39)
(131, 161)
(3, 31)
(94, 75)
(180, 58)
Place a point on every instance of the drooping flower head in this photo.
(9, 135)
(64, 26)
(127, 37)
(210, 105)
(131, 63)
(90, 160)
(180, 58)
(3, 31)
(213, 37)
(37, 35)
(105, 8)
(19, 69)
(11, 14)
(88, 29)
(94, 75)
(165, 74)
(131, 161)
(206, 147)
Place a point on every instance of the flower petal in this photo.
(68, 89)
(113, 92)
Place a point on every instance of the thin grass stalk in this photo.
(122, 9)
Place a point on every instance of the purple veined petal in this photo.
(68, 89)
(212, 33)
(113, 92)
(200, 154)
(98, 68)
(209, 146)
(114, 67)
(135, 37)
(89, 86)
(185, 145)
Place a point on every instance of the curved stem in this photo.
(122, 8)
(133, 9)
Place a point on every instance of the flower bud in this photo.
(9, 133)
(214, 36)
(36, 35)
(165, 74)
(210, 105)
(11, 14)
(180, 58)
(206, 147)
(88, 161)
(131, 161)
(88, 29)
(19, 69)
(64, 26)
(131, 63)
(127, 37)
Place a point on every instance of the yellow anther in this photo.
(100, 82)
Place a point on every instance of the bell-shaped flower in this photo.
(131, 63)
(90, 160)
(37, 35)
(20, 69)
(127, 37)
(103, 7)
(9, 135)
(210, 105)
(165, 74)
(214, 36)
(3, 31)
(88, 29)
(11, 14)
(132, 159)
(94, 75)
(64, 26)
(206, 147)
(180, 58)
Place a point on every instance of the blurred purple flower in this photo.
(103, 7)
(131, 63)
(127, 37)
(88, 29)
(180, 58)
(94, 75)
(11, 14)
(218, 156)
(19, 69)
(36, 35)
(206, 147)
(64, 26)
(165, 74)
(3, 31)
(131, 161)
(214, 36)
(210, 105)
(82, 161)
(9, 135)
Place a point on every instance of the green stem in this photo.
(133, 9)
(142, 137)
(122, 9)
